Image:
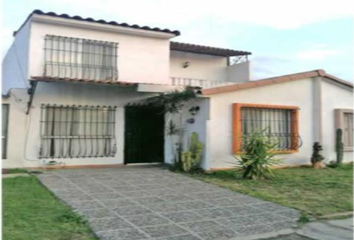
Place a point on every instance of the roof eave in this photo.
(275, 80)
(83, 81)
(206, 50)
(218, 55)
(78, 21)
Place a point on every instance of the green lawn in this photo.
(313, 192)
(31, 212)
(15, 170)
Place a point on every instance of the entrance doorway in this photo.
(144, 134)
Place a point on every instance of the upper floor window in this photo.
(67, 57)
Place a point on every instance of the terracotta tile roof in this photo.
(112, 23)
(186, 47)
(274, 80)
(76, 80)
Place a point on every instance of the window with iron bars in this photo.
(278, 123)
(77, 58)
(344, 121)
(348, 130)
(77, 131)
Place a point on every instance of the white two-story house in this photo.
(69, 86)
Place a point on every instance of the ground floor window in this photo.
(279, 123)
(4, 131)
(77, 131)
(344, 121)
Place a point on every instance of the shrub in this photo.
(191, 159)
(258, 156)
(317, 158)
(339, 146)
(332, 164)
(304, 218)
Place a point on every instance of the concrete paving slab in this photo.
(342, 223)
(153, 203)
(325, 231)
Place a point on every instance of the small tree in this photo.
(317, 158)
(258, 156)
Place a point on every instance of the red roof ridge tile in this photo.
(275, 80)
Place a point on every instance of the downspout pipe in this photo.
(31, 92)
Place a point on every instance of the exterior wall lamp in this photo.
(194, 110)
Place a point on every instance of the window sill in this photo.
(348, 149)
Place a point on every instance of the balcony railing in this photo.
(177, 81)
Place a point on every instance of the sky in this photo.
(285, 37)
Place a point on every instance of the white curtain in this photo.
(348, 130)
(98, 60)
(77, 132)
(276, 124)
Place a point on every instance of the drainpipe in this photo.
(317, 109)
(31, 92)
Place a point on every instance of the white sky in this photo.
(223, 23)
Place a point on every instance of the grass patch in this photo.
(313, 192)
(15, 170)
(31, 212)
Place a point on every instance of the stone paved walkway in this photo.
(152, 203)
(328, 230)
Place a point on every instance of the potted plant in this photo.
(317, 158)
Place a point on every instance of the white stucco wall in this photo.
(207, 67)
(201, 66)
(17, 126)
(239, 73)
(199, 126)
(15, 62)
(297, 93)
(334, 96)
(140, 58)
(24, 132)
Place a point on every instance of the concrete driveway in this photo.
(153, 203)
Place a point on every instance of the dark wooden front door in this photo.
(144, 135)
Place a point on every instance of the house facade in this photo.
(70, 85)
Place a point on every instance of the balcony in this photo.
(205, 84)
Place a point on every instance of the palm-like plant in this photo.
(258, 156)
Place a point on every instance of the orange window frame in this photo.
(237, 124)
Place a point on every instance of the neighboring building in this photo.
(70, 84)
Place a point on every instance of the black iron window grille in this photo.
(77, 131)
(77, 58)
(348, 130)
(275, 124)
